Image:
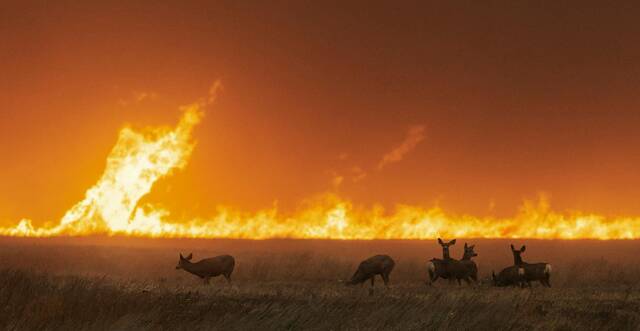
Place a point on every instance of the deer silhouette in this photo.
(532, 271)
(452, 269)
(509, 276)
(522, 273)
(445, 248)
(465, 269)
(207, 268)
(439, 268)
(376, 265)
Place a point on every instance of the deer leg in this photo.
(433, 276)
(385, 278)
(432, 279)
(372, 282)
(228, 277)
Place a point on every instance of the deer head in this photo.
(357, 278)
(184, 261)
(445, 247)
(517, 258)
(469, 252)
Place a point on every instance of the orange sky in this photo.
(487, 105)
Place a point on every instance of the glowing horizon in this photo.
(140, 158)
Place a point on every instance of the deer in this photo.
(509, 276)
(207, 268)
(445, 248)
(463, 269)
(532, 271)
(439, 268)
(368, 269)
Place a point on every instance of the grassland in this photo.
(131, 284)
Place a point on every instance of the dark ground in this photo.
(125, 283)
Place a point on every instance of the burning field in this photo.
(109, 263)
(124, 283)
(379, 165)
(140, 158)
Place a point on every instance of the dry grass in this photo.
(121, 285)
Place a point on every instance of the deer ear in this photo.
(513, 248)
(440, 241)
(188, 258)
(452, 242)
(465, 245)
(181, 257)
(523, 248)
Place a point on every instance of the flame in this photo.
(139, 159)
(136, 162)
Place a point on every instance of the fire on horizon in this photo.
(139, 159)
(415, 121)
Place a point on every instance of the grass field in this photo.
(124, 283)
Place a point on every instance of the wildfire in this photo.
(139, 159)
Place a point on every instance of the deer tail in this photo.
(431, 267)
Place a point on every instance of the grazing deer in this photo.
(513, 275)
(376, 265)
(464, 269)
(532, 271)
(207, 268)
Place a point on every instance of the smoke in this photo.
(336, 181)
(415, 135)
(214, 90)
(355, 173)
(137, 97)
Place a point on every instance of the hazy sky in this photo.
(475, 105)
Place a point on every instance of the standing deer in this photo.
(439, 268)
(463, 269)
(445, 248)
(532, 271)
(207, 268)
(376, 265)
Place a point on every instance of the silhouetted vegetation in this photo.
(289, 285)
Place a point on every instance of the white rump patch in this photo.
(547, 269)
(520, 271)
(431, 267)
